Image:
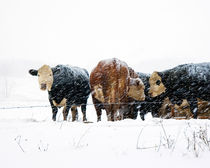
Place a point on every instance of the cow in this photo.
(67, 87)
(160, 106)
(150, 104)
(130, 109)
(156, 105)
(113, 88)
(187, 81)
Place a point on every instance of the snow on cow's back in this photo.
(115, 61)
(64, 74)
(200, 71)
(78, 72)
(72, 71)
(144, 77)
(197, 72)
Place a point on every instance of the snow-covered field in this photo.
(148, 35)
(29, 138)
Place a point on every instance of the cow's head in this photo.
(45, 77)
(156, 85)
(136, 89)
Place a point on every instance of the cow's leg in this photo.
(122, 113)
(54, 110)
(156, 109)
(114, 115)
(97, 105)
(113, 112)
(83, 108)
(142, 114)
(74, 113)
(134, 111)
(194, 107)
(108, 112)
(66, 111)
(142, 111)
(98, 112)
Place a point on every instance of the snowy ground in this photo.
(30, 139)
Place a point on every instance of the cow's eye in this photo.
(38, 75)
(158, 82)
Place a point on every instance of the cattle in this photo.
(153, 105)
(113, 86)
(187, 81)
(160, 106)
(67, 87)
(149, 104)
(130, 109)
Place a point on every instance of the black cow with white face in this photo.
(188, 81)
(67, 87)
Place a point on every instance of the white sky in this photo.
(147, 34)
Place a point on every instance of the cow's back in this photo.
(71, 83)
(110, 77)
(187, 80)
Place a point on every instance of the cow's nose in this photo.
(43, 86)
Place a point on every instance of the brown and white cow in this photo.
(114, 85)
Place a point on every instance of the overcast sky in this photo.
(147, 34)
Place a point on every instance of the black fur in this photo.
(33, 72)
(130, 110)
(71, 83)
(150, 104)
(188, 81)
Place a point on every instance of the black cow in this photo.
(67, 86)
(188, 81)
(151, 104)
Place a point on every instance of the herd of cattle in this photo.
(182, 92)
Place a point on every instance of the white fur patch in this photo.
(98, 93)
(61, 104)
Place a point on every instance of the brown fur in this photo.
(111, 81)
(183, 111)
(203, 109)
(168, 110)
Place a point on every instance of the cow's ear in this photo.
(33, 72)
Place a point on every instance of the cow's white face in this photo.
(45, 77)
(136, 89)
(156, 85)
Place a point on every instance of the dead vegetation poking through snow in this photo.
(198, 140)
(189, 139)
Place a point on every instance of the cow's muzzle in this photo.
(43, 86)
